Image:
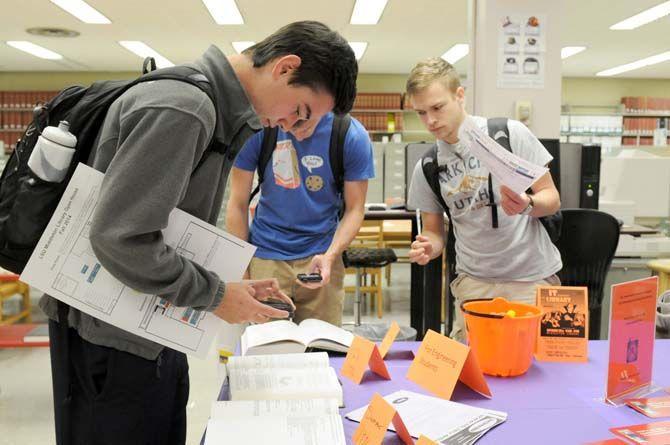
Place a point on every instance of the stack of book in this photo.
(294, 396)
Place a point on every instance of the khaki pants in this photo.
(324, 303)
(465, 288)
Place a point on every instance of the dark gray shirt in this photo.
(152, 149)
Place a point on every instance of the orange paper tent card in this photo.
(375, 422)
(363, 354)
(441, 362)
(423, 440)
(389, 338)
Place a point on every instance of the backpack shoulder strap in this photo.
(267, 148)
(499, 132)
(338, 136)
(190, 75)
(431, 171)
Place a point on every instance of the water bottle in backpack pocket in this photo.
(28, 199)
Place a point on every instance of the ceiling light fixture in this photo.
(224, 12)
(34, 50)
(83, 11)
(359, 48)
(456, 52)
(241, 46)
(644, 17)
(143, 50)
(569, 51)
(647, 61)
(367, 12)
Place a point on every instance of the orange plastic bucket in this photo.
(503, 341)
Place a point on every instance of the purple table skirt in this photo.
(553, 403)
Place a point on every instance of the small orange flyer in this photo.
(608, 442)
(656, 433)
(631, 337)
(653, 407)
(564, 325)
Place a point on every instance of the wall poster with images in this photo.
(521, 51)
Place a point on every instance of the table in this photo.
(425, 281)
(552, 404)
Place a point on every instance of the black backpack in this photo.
(431, 170)
(338, 135)
(26, 201)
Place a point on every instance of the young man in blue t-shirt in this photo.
(296, 226)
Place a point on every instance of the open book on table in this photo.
(283, 337)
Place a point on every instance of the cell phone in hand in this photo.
(281, 305)
(310, 277)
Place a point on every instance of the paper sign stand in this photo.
(632, 331)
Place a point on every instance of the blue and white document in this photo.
(64, 266)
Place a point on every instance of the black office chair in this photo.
(587, 244)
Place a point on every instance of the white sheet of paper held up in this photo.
(64, 266)
(508, 168)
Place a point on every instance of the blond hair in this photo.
(430, 70)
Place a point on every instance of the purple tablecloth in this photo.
(553, 403)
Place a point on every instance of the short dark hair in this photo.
(327, 61)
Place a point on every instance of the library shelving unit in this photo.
(16, 112)
(637, 121)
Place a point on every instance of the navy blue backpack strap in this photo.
(497, 128)
(267, 148)
(431, 170)
(338, 136)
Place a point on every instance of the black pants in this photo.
(105, 396)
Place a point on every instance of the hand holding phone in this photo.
(310, 277)
(281, 305)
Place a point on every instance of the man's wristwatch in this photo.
(528, 209)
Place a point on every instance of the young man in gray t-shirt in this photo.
(508, 261)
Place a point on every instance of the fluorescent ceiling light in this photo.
(456, 52)
(224, 12)
(652, 60)
(644, 17)
(35, 50)
(359, 48)
(241, 46)
(569, 51)
(367, 12)
(83, 11)
(143, 50)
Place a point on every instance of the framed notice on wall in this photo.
(522, 50)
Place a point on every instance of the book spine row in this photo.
(643, 126)
(378, 101)
(643, 104)
(386, 122)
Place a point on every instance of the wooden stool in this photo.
(661, 268)
(10, 286)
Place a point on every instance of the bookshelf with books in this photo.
(645, 120)
(16, 113)
(636, 121)
(385, 114)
